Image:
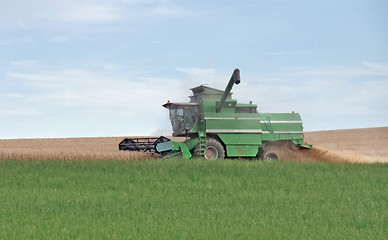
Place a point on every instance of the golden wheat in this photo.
(67, 149)
(354, 145)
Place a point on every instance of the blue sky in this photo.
(103, 68)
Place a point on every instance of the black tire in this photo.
(214, 150)
(270, 156)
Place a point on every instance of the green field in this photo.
(192, 199)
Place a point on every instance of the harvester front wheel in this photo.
(269, 156)
(214, 150)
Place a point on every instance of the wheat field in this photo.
(353, 145)
(104, 148)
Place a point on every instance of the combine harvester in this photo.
(216, 126)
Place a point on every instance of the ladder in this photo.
(202, 143)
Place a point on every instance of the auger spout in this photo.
(234, 79)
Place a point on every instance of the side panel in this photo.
(240, 132)
(241, 150)
(228, 121)
(240, 138)
(240, 144)
(232, 125)
(282, 126)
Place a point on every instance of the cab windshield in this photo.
(182, 119)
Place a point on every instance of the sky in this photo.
(94, 68)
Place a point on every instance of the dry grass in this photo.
(67, 149)
(354, 145)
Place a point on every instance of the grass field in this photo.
(192, 199)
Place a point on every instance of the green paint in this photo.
(212, 113)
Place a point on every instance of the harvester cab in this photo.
(183, 117)
(217, 126)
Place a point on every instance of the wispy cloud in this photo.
(366, 69)
(343, 94)
(25, 13)
(101, 90)
(74, 93)
(32, 14)
(60, 39)
(21, 112)
(26, 64)
(285, 53)
(382, 68)
(325, 97)
(197, 71)
(206, 76)
(170, 10)
(14, 95)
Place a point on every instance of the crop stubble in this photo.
(354, 145)
(105, 148)
(365, 145)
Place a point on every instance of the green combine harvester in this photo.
(216, 126)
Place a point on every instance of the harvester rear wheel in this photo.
(270, 156)
(214, 150)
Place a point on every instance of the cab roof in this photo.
(177, 105)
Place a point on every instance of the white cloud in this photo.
(14, 95)
(32, 14)
(26, 63)
(367, 69)
(60, 39)
(27, 13)
(382, 68)
(197, 71)
(326, 98)
(170, 11)
(96, 90)
(206, 76)
(23, 112)
(284, 53)
(112, 99)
